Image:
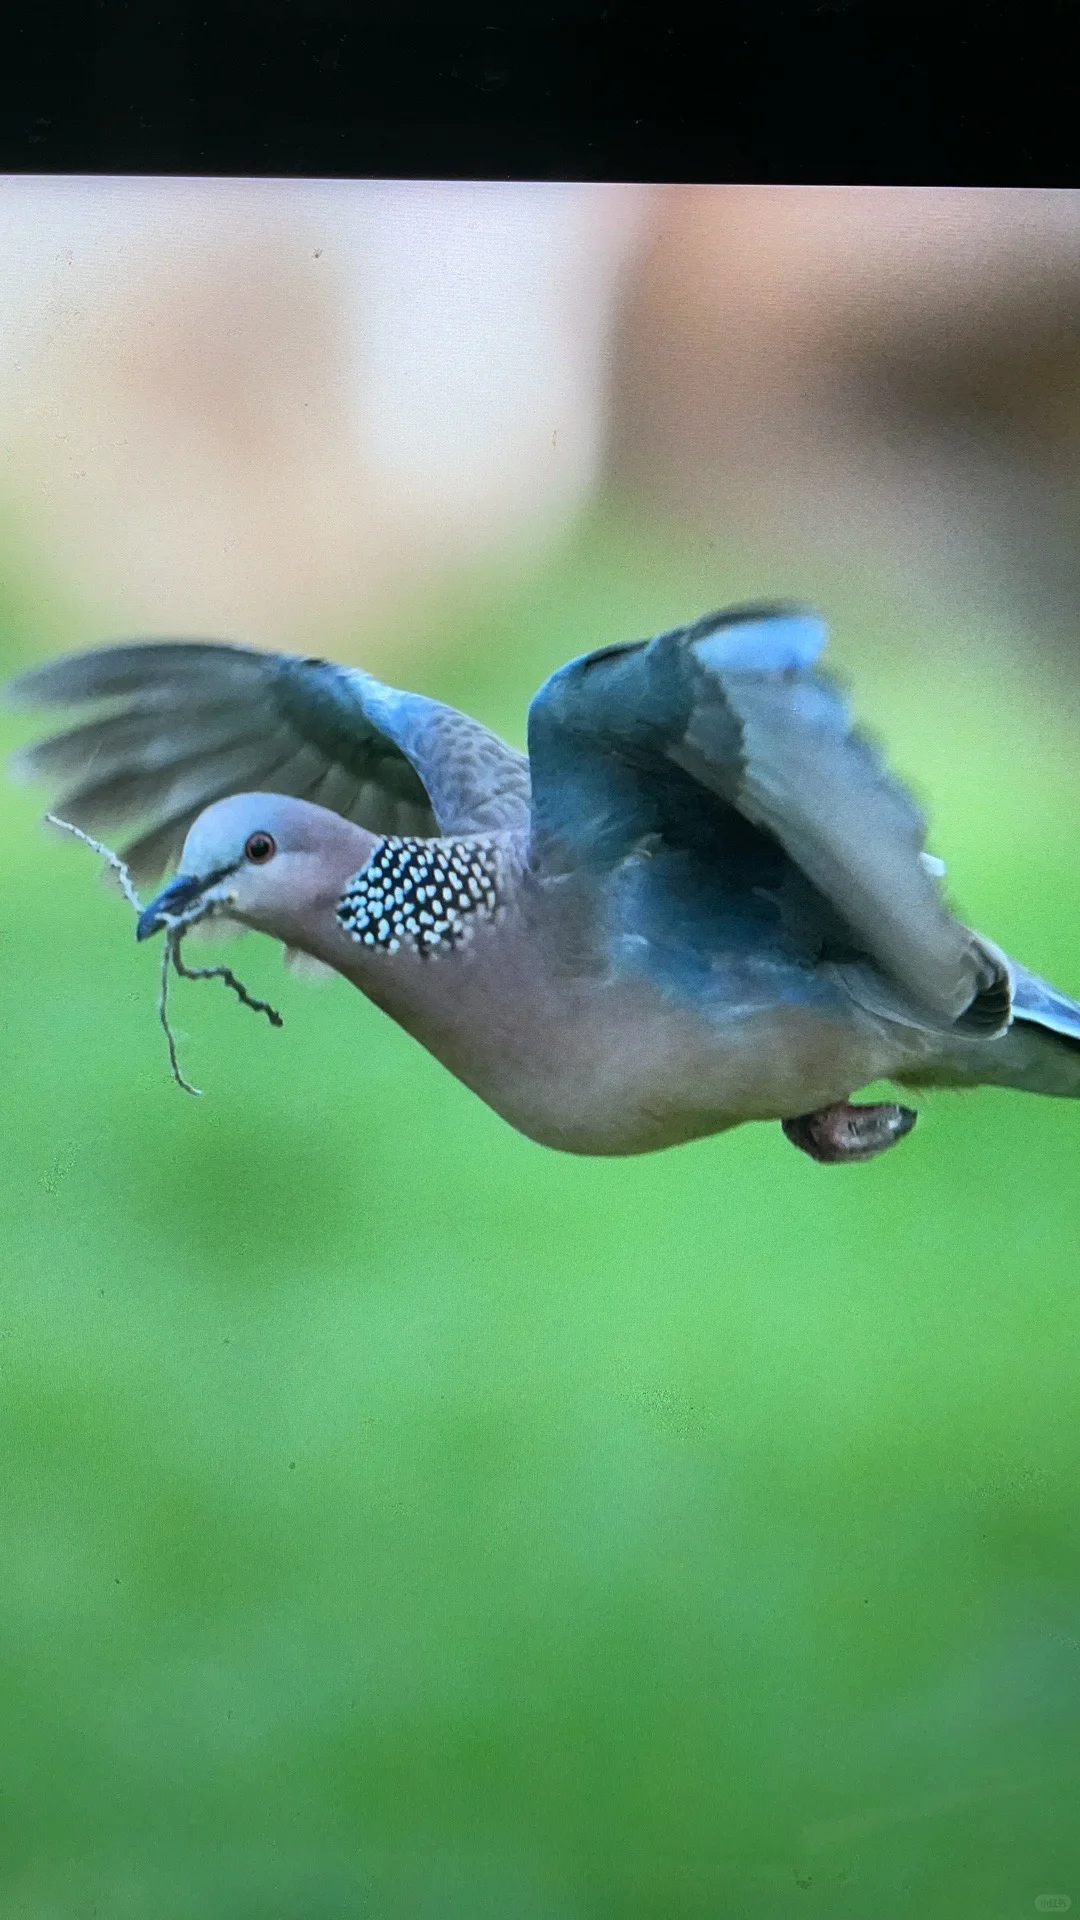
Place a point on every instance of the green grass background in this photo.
(398, 1519)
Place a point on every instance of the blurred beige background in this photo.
(891, 372)
(276, 409)
(240, 407)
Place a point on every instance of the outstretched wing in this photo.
(732, 703)
(183, 723)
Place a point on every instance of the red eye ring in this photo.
(259, 848)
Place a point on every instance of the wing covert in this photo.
(179, 724)
(734, 703)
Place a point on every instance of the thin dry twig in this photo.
(118, 866)
(221, 973)
(163, 1016)
(175, 927)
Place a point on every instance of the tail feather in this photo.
(1039, 1053)
(1040, 1004)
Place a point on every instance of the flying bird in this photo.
(699, 899)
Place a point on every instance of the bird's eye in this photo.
(259, 848)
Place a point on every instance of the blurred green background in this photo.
(399, 1519)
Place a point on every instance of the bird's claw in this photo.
(844, 1132)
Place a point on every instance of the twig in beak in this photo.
(163, 1016)
(173, 938)
(175, 927)
(106, 853)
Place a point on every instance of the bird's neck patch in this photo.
(424, 894)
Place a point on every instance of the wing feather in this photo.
(179, 724)
(735, 705)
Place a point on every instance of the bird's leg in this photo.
(845, 1132)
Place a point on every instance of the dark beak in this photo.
(178, 895)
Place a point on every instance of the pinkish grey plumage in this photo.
(702, 900)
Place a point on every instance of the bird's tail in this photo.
(1039, 1053)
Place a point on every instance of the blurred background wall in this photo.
(268, 408)
(242, 406)
(842, 369)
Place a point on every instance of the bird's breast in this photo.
(597, 1057)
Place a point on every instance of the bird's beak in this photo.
(180, 894)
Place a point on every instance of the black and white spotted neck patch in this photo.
(421, 893)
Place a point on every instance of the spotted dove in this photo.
(700, 898)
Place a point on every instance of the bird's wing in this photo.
(179, 724)
(733, 702)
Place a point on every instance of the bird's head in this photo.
(273, 863)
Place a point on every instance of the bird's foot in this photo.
(843, 1132)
